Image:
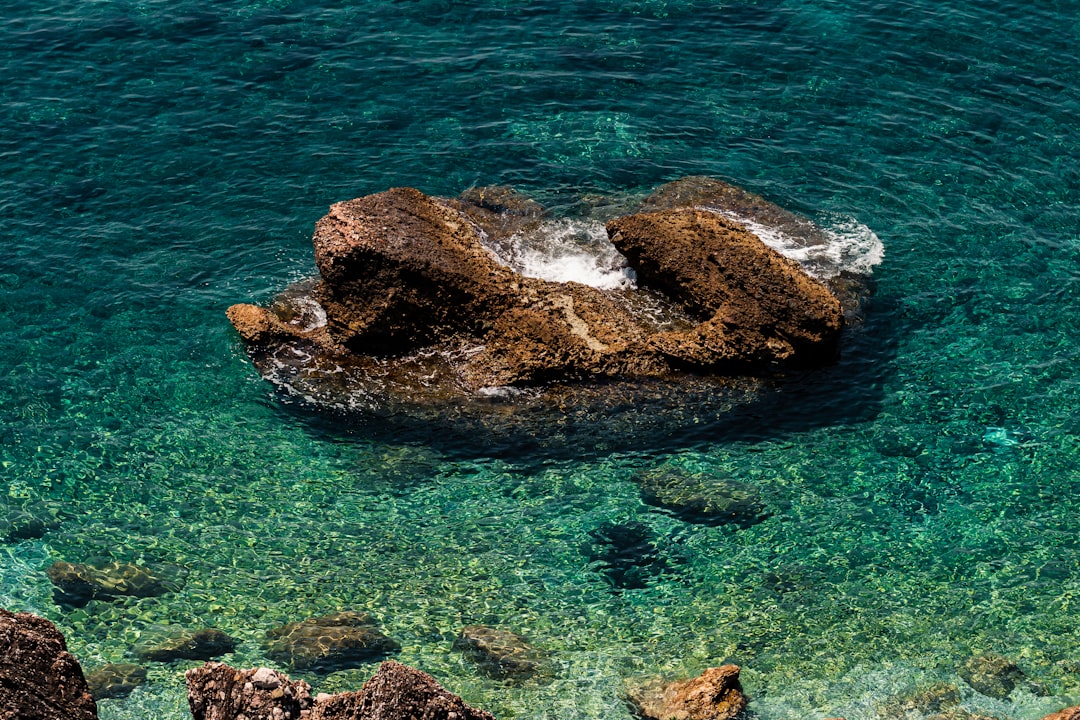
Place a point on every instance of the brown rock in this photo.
(1070, 713)
(329, 643)
(935, 699)
(219, 692)
(40, 679)
(716, 694)
(758, 305)
(78, 583)
(257, 325)
(498, 653)
(202, 644)
(992, 675)
(397, 692)
(703, 498)
(115, 680)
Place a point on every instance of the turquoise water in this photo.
(163, 160)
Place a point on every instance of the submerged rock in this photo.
(76, 584)
(498, 653)
(626, 554)
(992, 675)
(703, 498)
(40, 679)
(28, 523)
(413, 304)
(329, 643)
(115, 680)
(716, 694)
(396, 692)
(203, 644)
(936, 699)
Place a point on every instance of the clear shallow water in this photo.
(161, 161)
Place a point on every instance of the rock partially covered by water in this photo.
(498, 653)
(1070, 713)
(414, 301)
(39, 678)
(115, 680)
(329, 643)
(396, 692)
(703, 498)
(716, 694)
(78, 583)
(202, 644)
(219, 692)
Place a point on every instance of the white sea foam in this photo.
(568, 251)
(849, 245)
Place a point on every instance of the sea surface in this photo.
(161, 160)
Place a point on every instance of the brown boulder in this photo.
(757, 304)
(76, 584)
(716, 694)
(40, 679)
(329, 643)
(1070, 713)
(396, 692)
(992, 674)
(498, 653)
(202, 644)
(115, 680)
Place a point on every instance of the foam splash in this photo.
(568, 250)
(849, 245)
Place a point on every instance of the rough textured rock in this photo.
(498, 653)
(716, 694)
(757, 306)
(202, 644)
(397, 692)
(329, 643)
(115, 680)
(219, 692)
(39, 678)
(77, 584)
(992, 675)
(1071, 713)
(939, 698)
(703, 498)
(412, 302)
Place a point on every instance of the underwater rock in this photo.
(992, 675)
(1070, 713)
(396, 692)
(27, 523)
(413, 304)
(328, 643)
(716, 694)
(626, 553)
(201, 644)
(935, 699)
(703, 498)
(40, 679)
(959, 713)
(218, 692)
(77, 583)
(499, 654)
(115, 680)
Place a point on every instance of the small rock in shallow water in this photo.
(703, 498)
(992, 675)
(329, 643)
(626, 553)
(716, 694)
(933, 700)
(115, 680)
(77, 584)
(202, 644)
(499, 654)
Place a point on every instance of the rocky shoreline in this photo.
(43, 681)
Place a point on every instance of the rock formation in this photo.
(396, 692)
(329, 643)
(703, 498)
(78, 583)
(202, 644)
(39, 678)
(498, 653)
(412, 300)
(716, 694)
(1070, 713)
(115, 680)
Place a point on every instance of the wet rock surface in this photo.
(115, 680)
(1070, 713)
(40, 679)
(329, 643)
(716, 694)
(414, 306)
(202, 644)
(76, 584)
(703, 498)
(498, 653)
(396, 692)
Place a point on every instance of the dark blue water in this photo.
(160, 161)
